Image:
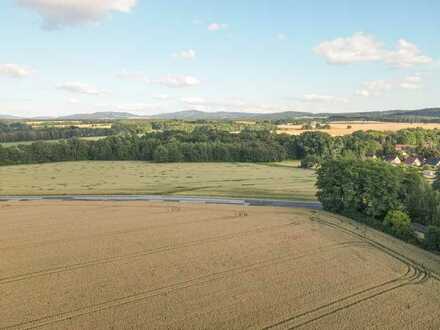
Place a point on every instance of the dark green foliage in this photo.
(17, 132)
(200, 145)
(371, 188)
(399, 223)
(432, 238)
(380, 195)
(310, 161)
(436, 183)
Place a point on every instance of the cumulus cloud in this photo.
(281, 36)
(161, 97)
(73, 101)
(126, 75)
(374, 88)
(189, 54)
(365, 48)
(79, 88)
(60, 13)
(411, 82)
(406, 55)
(193, 100)
(199, 103)
(380, 87)
(177, 81)
(324, 98)
(14, 71)
(217, 26)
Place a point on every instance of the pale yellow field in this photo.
(68, 123)
(340, 128)
(136, 265)
(268, 180)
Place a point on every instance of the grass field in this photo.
(134, 265)
(273, 180)
(340, 128)
(11, 144)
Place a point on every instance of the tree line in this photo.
(200, 145)
(386, 197)
(18, 132)
(209, 144)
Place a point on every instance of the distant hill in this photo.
(428, 114)
(109, 115)
(421, 115)
(9, 117)
(202, 115)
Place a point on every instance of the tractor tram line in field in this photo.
(67, 268)
(165, 290)
(411, 273)
(415, 274)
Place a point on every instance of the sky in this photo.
(60, 57)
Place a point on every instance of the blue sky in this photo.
(75, 56)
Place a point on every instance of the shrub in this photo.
(399, 223)
(310, 161)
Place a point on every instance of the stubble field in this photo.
(342, 128)
(136, 265)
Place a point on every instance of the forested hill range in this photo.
(421, 115)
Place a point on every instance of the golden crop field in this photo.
(144, 265)
(68, 123)
(341, 128)
(274, 180)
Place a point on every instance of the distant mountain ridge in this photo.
(388, 115)
(200, 115)
(9, 117)
(99, 116)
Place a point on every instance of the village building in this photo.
(435, 162)
(413, 161)
(394, 160)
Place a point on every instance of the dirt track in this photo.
(98, 265)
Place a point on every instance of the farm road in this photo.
(182, 199)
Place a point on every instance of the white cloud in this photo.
(358, 48)
(324, 98)
(379, 87)
(365, 48)
(217, 26)
(199, 103)
(406, 55)
(161, 97)
(79, 88)
(193, 100)
(135, 107)
(73, 101)
(177, 81)
(189, 54)
(281, 36)
(374, 88)
(14, 71)
(125, 75)
(411, 82)
(60, 13)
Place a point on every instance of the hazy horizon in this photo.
(143, 57)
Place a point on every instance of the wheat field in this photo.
(138, 265)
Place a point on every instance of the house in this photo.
(394, 160)
(433, 162)
(413, 161)
(403, 147)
